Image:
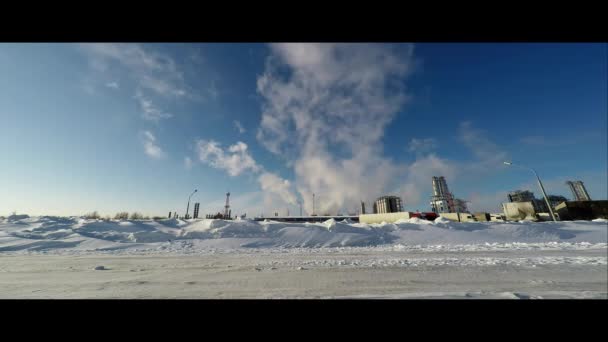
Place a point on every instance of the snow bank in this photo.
(13, 218)
(441, 220)
(24, 233)
(414, 220)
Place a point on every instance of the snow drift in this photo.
(45, 233)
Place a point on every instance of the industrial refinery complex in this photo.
(520, 205)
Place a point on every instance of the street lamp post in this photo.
(540, 184)
(188, 207)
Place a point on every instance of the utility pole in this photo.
(188, 207)
(542, 188)
(313, 204)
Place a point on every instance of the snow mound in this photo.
(13, 218)
(73, 233)
(442, 220)
(414, 220)
(330, 223)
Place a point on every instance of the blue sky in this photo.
(136, 127)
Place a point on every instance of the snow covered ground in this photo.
(55, 257)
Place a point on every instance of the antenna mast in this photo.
(227, 206)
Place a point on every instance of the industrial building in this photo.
(482, 217)
(393, 217)
(307, 218)
(196, 207)
(442, 200)
(582, 210)
(520, 196)
(555, 200)
(518, 211)
(579, 193)
(459, 217)
(460, 206)
(387, 204)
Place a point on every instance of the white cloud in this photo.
(149, 110)
(235, 160)
(131, 55)
(239, 127)
(150, 70)
(325, 108)
(113, 85)
(421, 146)
(187, 163)
(151, 147)
(319, 98)
(161, 86)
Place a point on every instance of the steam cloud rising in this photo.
(325, 110)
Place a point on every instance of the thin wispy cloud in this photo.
(213, 91)
(152, 70)
(422, 146)
(239, 126)
(151, 147)
(113, 85)
(149, 110)
(489, 155)
(161, 86)
(188, 163)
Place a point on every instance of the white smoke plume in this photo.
(325, 110)
(275, 184)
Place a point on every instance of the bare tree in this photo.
(92, 216)
(121, 215)
(136, 216)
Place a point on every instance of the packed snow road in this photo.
(52, 257)
(326, 274)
